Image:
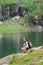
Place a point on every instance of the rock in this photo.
(41, 60)
(36, 48)
(21, 54)
(4, 64)
(38, 28)
(41, 47)
(36, 22)
(6, 60)
(34, 63)
(36, 17)
(16, 18)
(41, 23)
(1, 22)
(22, 11)
(14, 14)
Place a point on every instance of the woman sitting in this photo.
(26, 46)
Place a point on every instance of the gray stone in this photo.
(6, 60)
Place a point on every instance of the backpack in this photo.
(30, 45)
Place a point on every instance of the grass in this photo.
(10, 27)
(29, 59)
(4, 29)
(26, 3)
(41, 63)
(8, 2)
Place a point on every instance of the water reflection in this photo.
(1, 45)
(10, 43)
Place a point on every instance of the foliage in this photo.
(26, 3)
(22, 3)
(41, 63)
(8, 2)
(35, 9)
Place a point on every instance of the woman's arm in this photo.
(30, 44)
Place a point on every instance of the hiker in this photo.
(26, 46)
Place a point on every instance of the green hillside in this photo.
(35, 9)
(8, 1)
(23, 3)
(26, 3)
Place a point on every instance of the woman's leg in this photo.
(23, 49)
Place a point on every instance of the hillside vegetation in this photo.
(8, 2)
(23, 3)
(33, 17)
(35, 9)
(26, 3)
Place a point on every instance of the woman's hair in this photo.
(24, 38)
(22, 45)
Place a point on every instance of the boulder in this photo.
(22, 11)
(16, 18)
(1, 22)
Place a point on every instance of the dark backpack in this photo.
(29, 45)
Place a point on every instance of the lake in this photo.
(10, 42)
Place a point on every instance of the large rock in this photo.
(22, 11)
(6, 60)
(1, 22)
(38, 28)
(16, 18)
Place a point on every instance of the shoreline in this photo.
(21, 29)
(6, 60)
(10, 26)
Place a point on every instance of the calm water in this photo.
(10, 43)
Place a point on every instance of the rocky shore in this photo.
(35, 28)
(6, 60)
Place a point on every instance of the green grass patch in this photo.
(12, 29)
(7, 27)
(26, 3)
(31, 57)
(41, 63)
(8, 2)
